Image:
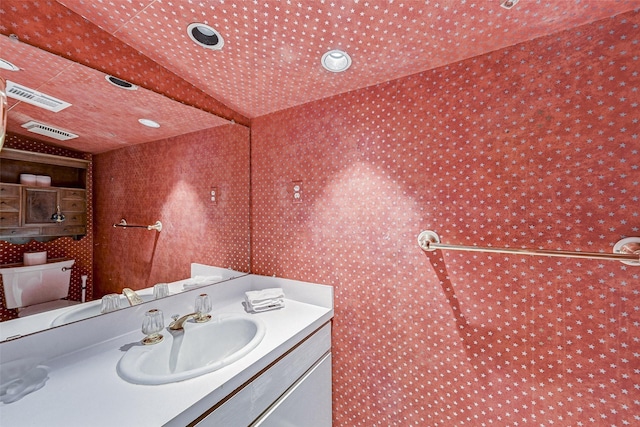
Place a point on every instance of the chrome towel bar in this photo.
(626, 250)
(123, 223)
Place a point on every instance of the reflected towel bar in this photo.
(123, 223)
(626, 250)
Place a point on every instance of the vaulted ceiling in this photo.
(270, 60)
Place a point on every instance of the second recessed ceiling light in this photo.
(205, 36)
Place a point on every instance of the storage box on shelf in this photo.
(26, 210)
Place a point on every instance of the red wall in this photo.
(171, 181)
(79, 250)
(532, 146)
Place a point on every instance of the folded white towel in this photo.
(197, 281)
(257, 297)
(270, 305)
(266, 299)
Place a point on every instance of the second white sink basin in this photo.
(200, 349)
(92, 308)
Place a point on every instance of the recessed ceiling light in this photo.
(205, 36)
(149, 123)
(336, 61)
(120, 83)
(6, 65)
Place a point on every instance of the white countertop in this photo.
(85, 389)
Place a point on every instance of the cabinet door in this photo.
(40, 204)
(307, 403)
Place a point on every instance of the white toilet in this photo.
(37, 288)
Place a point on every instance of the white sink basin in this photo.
(90, 309)
(200, 349)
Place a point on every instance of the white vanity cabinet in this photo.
(295, 390)
(307, 403)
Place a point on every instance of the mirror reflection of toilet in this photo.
(37, 288)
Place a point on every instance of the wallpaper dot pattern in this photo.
(79, 250)
(171, 181)
(535, 145)
(272, 49)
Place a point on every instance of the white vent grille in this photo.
(50, 131)
(33, 97)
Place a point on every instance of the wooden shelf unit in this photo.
(25, 210)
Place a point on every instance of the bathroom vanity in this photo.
(284, 380)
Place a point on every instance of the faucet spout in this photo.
(178, 323)
(132, 297)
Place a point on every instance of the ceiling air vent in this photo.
(50, 131)
(32, 96)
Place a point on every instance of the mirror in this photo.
(191, 173)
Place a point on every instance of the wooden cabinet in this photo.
(26, 211)
(10, 202)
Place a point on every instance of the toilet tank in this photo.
(35, 284)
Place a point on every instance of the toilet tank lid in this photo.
(63, 262)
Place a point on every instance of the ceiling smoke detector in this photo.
(205, 36)
(336, 61)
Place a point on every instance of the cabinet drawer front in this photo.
(16, 232)
(73, 205)
(8, 190)
(64, 230)
(9, 219)
(73, 194)
(10, 205)
(74, 218)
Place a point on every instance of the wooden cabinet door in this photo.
(40, 204)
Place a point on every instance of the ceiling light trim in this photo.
(149, 123)
(205, 36)
(336, 61)
(122, 84)
(6, 65)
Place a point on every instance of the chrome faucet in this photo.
(178, 323)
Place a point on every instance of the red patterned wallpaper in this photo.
(171, 181)
(535, 145)
(79, 250)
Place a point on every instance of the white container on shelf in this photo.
(27, 179)
(43, 181)
(34, 258)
